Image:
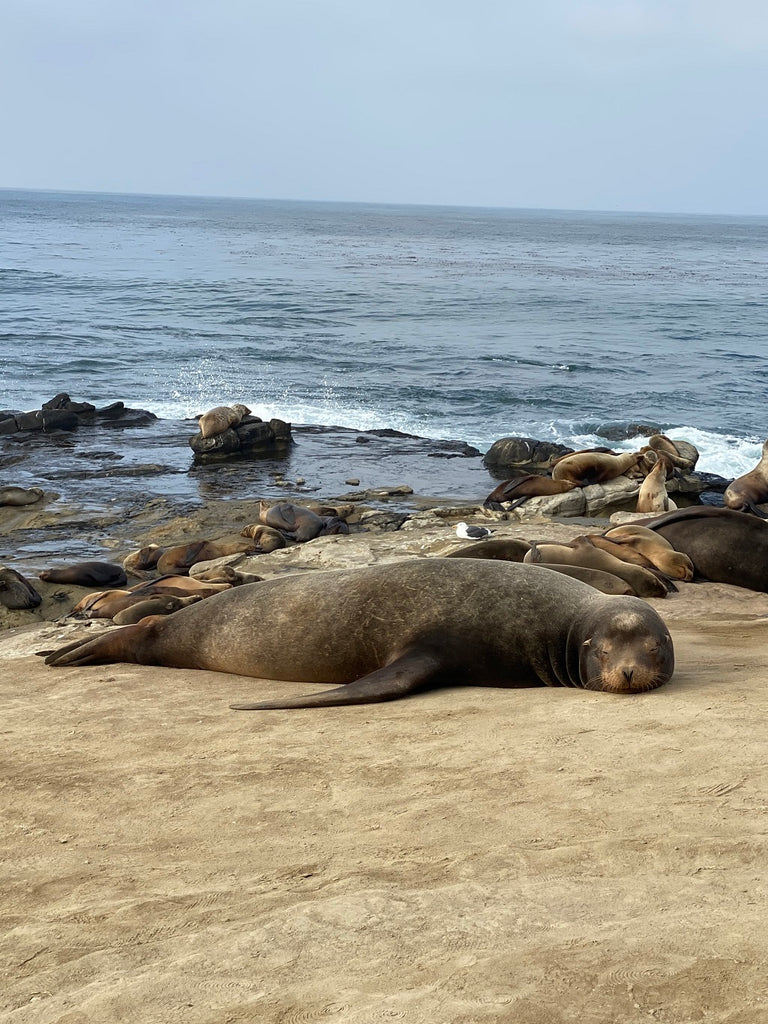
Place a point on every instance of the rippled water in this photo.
(448, 323)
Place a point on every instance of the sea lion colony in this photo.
(640, 559)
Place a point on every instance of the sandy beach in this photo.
(535, 855)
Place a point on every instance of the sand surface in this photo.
(466, 855)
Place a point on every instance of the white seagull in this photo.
(472, 532)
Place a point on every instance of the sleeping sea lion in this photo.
(181, 558)
(520, 488)
(385, 631)
(17, 496)
(725, 546)
(581, 552)
(586, 468)
(16, 592)
(87, 574)
(295, 521)
(220, 418)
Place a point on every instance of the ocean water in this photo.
(452, 323)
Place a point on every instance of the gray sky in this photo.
(580, 104)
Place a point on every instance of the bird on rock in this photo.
(467, 532)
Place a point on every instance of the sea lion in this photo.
(581, 552)
(746, 492)
(656, 549)
(584, 468)
(506, 549)
(104, 604)
(295, 521)
(225, 574)
(159, 605)
(181, 558)
(681, 454)
(139, 563)
(265, 538)
(87, 574)
(653, 496)
(16, 496)
(725, 546)
(16, 592)
(520, 488)
(372, 633)
(221, 418)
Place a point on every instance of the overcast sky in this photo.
(579, 104)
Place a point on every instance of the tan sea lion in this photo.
(681, 454)
(221, 418)
(724, 545)
(581, 552)
(16, 592)
(506, 549)
(586, 468)
(746, 492)
(652, 496)
(372, 633)
(520, 488)
(87, 574)
(159, 605)
(180, 559)
(141, 562)
(265, 538)
(226, 574)
(17, 496)
(655, 548)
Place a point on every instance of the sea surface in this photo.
(455, 324)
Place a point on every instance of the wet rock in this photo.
(510, 456)
(224, 443)
(59, 419)
(254, 435)
(623, 431)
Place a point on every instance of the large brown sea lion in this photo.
(16, 592)
(725, 546)
(87, 574)
(385, 631)
(746, 492)
(221, 418)
(295, 521)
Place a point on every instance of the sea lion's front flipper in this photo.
(406, 674)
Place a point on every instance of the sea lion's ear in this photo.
(587, 643)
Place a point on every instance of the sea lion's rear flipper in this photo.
(405, 675)
(116, 645)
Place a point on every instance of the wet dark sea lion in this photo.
(507, 549)
(520, 488)
(725, 546)
(386, 631)
(17, 592)
(87, 574)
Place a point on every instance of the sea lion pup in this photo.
(746, 492)
(653, 496)
(139, 563)
(159, 605)
(16, 592)
(221, 418)
(580, 552)
(586, 468)
(656, 549)
(17, 496)
(295, 521)
(520, 488)
(265, 538)
(371, 632)
(506, 549)
(180, 559)
(87, 574)
(725, 546)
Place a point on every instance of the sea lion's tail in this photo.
(116, 645)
